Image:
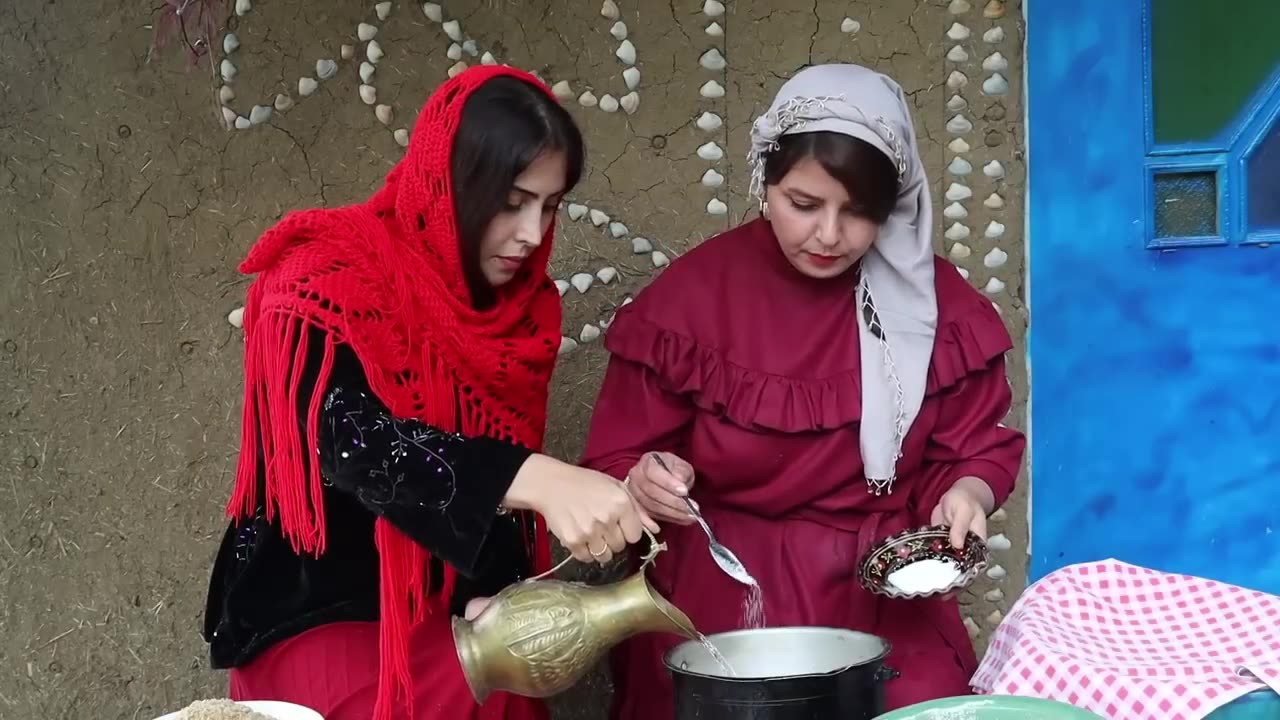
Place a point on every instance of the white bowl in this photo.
(271, 708)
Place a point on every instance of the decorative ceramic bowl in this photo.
(911, 546)
(273, 709)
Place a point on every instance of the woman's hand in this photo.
(590, 513)
(965, 507)
(661, 491)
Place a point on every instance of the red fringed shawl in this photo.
(385, 278)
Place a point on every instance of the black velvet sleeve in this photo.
(441, 489)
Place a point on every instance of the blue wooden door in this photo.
(1154, 185)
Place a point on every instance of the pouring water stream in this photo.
(731, 565)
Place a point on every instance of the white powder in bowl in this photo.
(219, 709)
(924, 576)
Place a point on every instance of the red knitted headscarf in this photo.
(385, 277)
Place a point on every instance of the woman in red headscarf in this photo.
(397, 358)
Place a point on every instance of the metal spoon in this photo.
(723, 556)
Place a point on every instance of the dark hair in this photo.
(506, 124)
(867, 174)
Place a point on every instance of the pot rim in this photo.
(805, 629)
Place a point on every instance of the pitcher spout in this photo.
(676, 621)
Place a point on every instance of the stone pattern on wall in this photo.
(981, 211)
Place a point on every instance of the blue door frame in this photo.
(1155, 369)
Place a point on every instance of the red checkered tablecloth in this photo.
(1130, 643)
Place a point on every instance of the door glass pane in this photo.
(1264, 183)
(1186, 204)
(1207, 60)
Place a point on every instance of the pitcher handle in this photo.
(655, 547)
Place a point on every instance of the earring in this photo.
(764, 208)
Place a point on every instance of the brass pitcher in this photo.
(539, 637)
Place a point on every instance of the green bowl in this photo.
(1258, 705)
(990, 707)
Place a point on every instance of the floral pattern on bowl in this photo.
(909, 546)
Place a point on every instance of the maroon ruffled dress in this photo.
(750, 371)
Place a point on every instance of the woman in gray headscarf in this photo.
(816, 379)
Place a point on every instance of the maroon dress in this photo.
(750, 371)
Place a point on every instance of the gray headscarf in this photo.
(898, 306)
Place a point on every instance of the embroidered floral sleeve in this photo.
(441, 489)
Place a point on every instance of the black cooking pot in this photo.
(785, 673)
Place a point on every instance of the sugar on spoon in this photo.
(723, 556)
